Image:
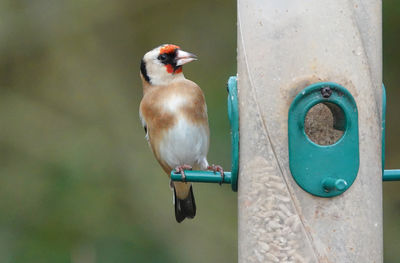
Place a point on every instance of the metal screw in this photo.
(331, 184)
(326, 92)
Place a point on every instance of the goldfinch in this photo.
(173, 112)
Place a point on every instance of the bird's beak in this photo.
(183, 57)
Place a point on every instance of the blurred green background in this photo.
(78, 182)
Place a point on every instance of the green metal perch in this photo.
(203, 177)
(391, 175)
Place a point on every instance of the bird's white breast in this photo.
(185, 143)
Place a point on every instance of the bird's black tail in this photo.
(185, 208)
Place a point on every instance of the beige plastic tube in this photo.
(284, 46)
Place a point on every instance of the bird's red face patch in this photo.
(167, 57)
(168, 49)
(170, 69)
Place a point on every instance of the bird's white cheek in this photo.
(159, 75)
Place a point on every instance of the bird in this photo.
(173, 113)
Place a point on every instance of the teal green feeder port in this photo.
(229, 177)
(387, 175)
(233, 114)
(324, 170)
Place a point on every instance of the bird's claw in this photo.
(217, 168)
(181, 169)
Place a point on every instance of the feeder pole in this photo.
(284, 46)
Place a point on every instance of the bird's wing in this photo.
(144, 124)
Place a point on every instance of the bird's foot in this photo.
(217, 168)
(181, 169)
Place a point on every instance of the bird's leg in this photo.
(181, 169)
(217, 168)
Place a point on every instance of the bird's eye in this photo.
(162, 57)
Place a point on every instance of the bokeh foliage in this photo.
(391, 78)
(77, 180)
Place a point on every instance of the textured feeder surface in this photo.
(284, 46)
(319, 125)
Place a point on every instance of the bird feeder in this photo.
(299, 200)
